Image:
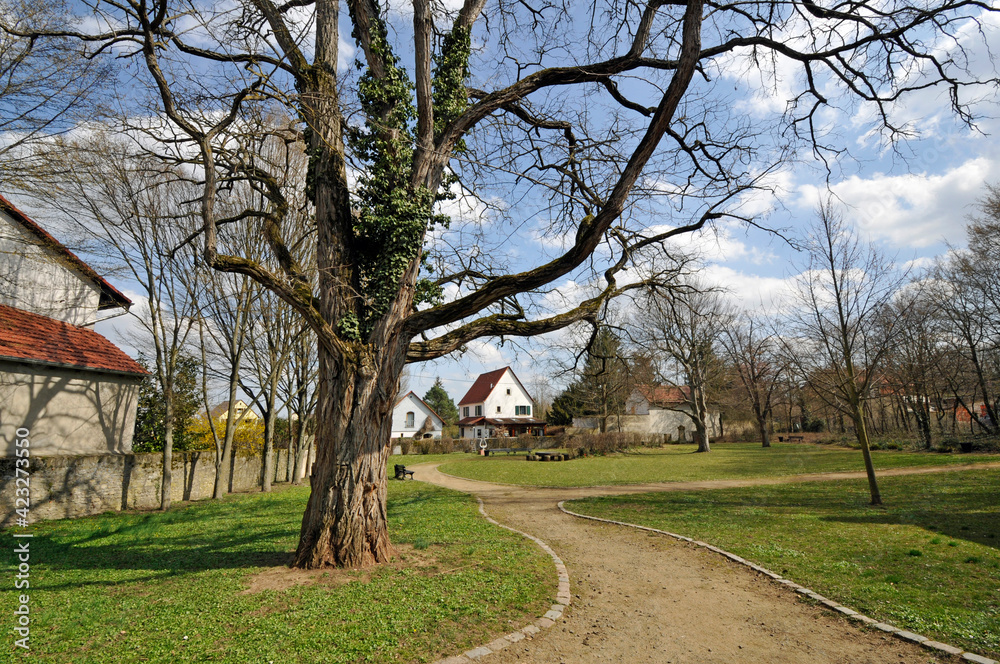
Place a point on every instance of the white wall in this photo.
(499, 398)
(33, 279)
(67, 412)
(421, 412)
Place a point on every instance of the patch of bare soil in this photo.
(284, 577)
(642, 597)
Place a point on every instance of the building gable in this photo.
(44, 277)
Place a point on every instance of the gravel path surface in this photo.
(642, 597)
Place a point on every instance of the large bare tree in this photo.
(569, 113)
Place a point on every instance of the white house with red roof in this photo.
(413, 418)
(497, 405)
(660, 409)
(74, 391)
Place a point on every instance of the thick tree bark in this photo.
(345, 520)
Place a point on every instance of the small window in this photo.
(409, 419)
(508, 391)
(522, 410)
(479, 411)
(498, 410)
(465, 411)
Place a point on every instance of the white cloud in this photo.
(751, 292)
(913, 210)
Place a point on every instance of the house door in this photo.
(681, 434)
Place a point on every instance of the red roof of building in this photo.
(111, 297)
(33, 338)
(664, 394)
(483, 386)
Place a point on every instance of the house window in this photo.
(479, 411)
(465, 411)
(498, 410)
(409, 420)
(508, 391)
(522, 410)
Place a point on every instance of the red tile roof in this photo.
(111, 297)
(483, 386)
(664, 394)
(33, 338)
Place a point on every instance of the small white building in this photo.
(413, 418)
(497, 405)
(72, 389)
(241, 410)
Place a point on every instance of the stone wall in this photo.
(72, 486)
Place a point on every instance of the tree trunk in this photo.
(301, 453)
(267, 462)
(765, 435)
(345, 520)
(862, 434)
(168, 449)
(222, 464)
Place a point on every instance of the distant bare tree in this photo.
(677, 327)
(131, 210)
(752, 349)
(842, 331)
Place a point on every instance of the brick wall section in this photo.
(72, 486)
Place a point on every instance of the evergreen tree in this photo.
(565, 406)
(150, 429)
(604, 382)
(438, 399)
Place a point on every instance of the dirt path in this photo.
(640, 597)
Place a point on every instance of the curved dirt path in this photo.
(641, 597)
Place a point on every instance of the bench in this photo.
(402, 472)
(508, 450)
(548, 456)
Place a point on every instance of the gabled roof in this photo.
(484, 385)
(223, 407)
(658, 395)
(37, 339)
(426, 405)
(111, 297)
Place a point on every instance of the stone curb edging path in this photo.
(849, 613)
(551, 616)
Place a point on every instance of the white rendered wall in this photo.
(33, 279)
(420, 413)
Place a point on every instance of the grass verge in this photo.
(207, 582)
(679, 463)
(927, 562)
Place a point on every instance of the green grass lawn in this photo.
(927, 562)
(409, 460)
(679, 463)
(155, 587)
